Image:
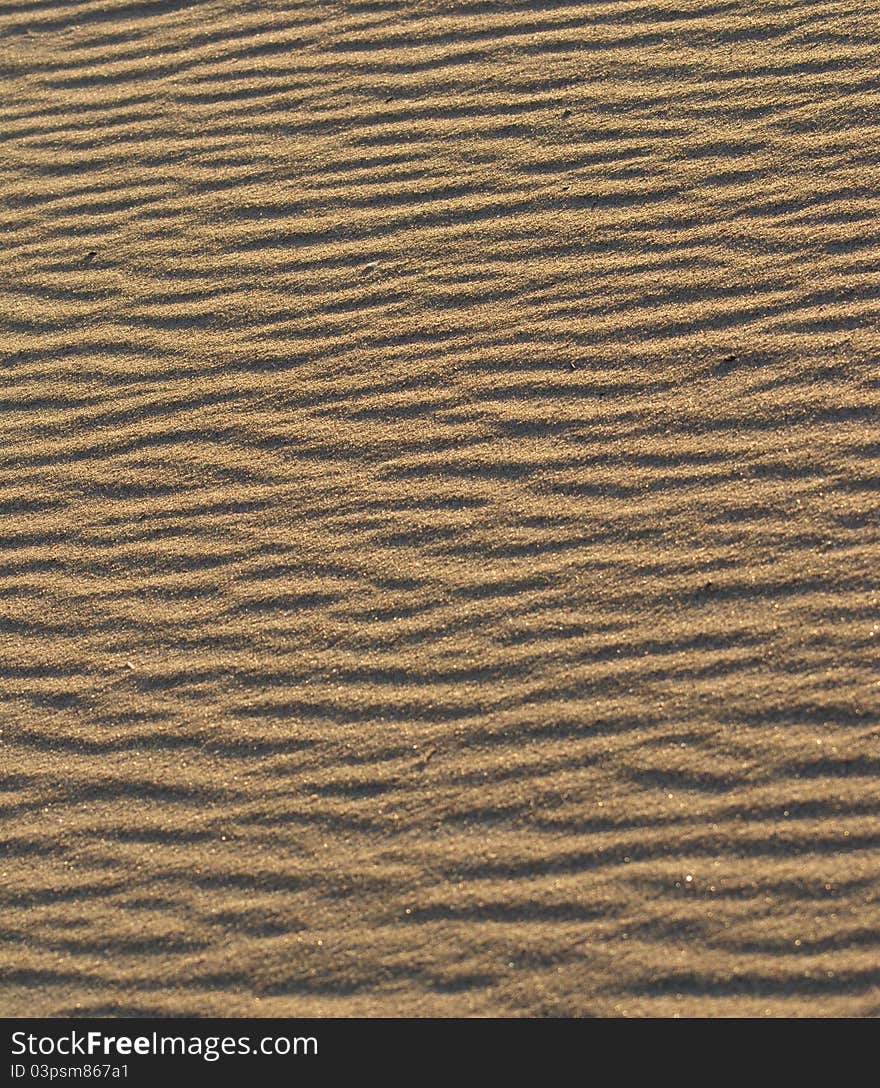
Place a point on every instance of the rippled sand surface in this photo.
(439, 508)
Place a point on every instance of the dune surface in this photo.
(439, 472)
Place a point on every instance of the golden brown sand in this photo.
(439, 486)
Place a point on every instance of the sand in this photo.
(439, 486)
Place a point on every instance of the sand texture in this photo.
(439, 472)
